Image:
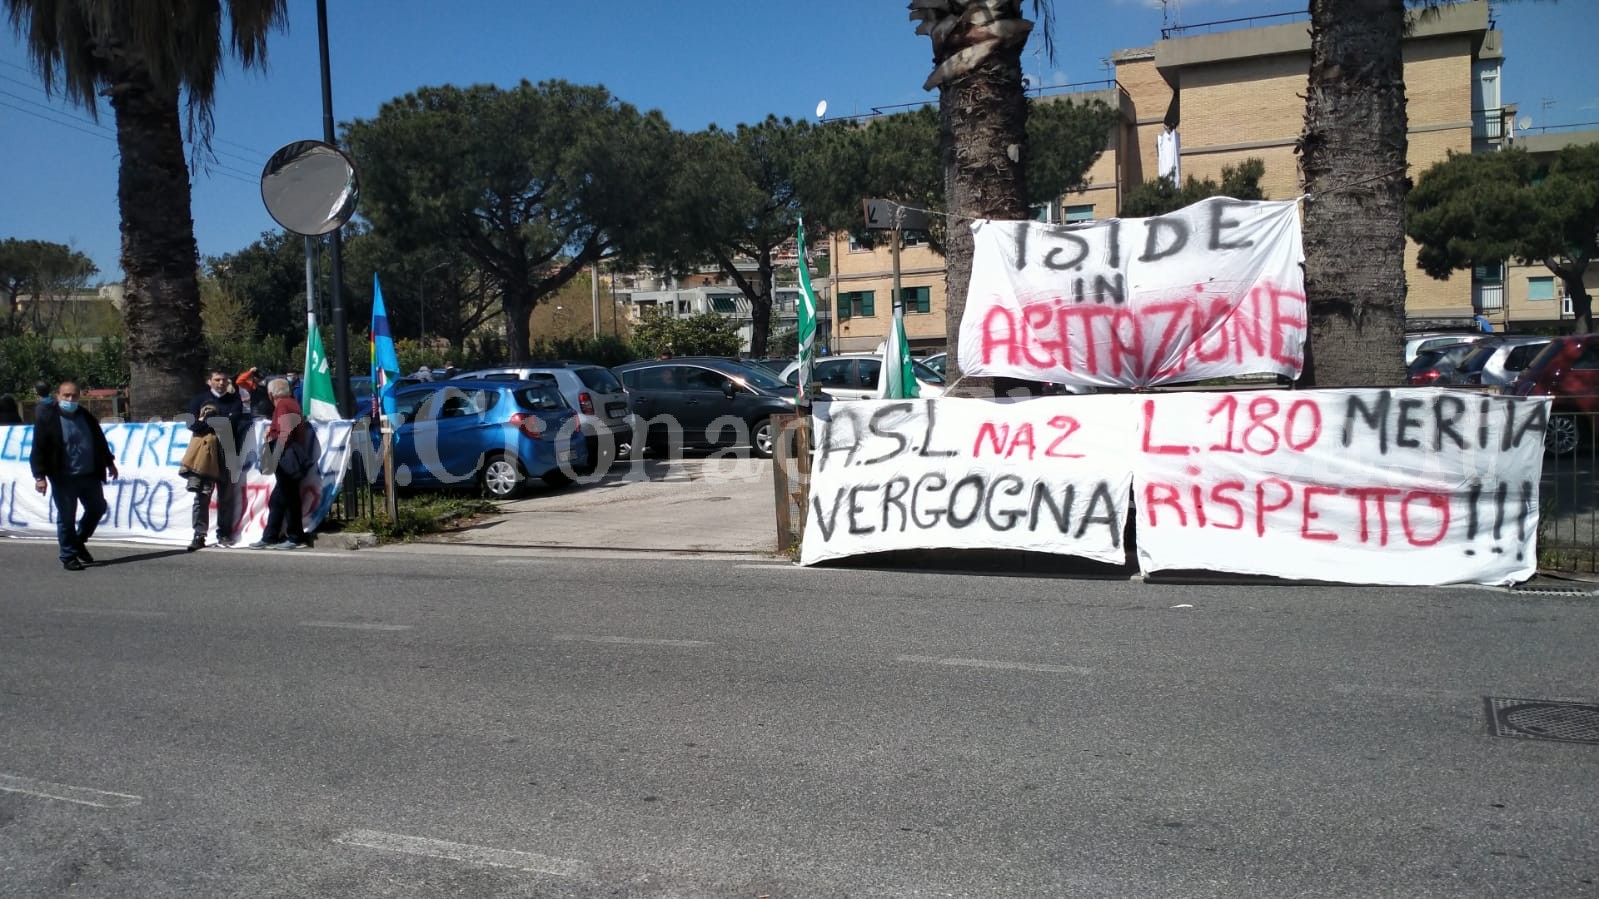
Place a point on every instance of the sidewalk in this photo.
(703, 504)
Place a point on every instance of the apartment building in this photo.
(1223, 92)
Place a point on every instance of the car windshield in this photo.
(923, 373)
(756, 376)
(599, 380)
(540, 397)
(1477, 359)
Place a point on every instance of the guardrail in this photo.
(1568, 529)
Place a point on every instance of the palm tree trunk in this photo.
(166, 354)
(1353, 156)
(982, 137)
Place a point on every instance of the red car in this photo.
(1568, 370)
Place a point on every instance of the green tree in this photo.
(1161, 196)
(706, 334)
(266, 280)
(1477, 208)
(1352, 152)
(533, 184)
(738, 199)
(145, 57)
(44, 273)
(897, 157)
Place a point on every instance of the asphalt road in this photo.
(450, 721)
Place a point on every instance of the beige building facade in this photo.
(1229, 95)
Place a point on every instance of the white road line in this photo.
(357, 626)
(123, 613)
(630, 641)
(462, 852)
(10, 783)
(988, 663)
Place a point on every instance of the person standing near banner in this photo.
(216, 410)
(288, 443)
(71, 457)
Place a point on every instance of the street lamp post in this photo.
(422, 306)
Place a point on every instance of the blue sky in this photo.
(698, 61)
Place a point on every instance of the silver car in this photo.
(1497, 360)
(595, 394)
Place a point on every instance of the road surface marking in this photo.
(630, 641)
(357, 626)
(461, 852)
(989, 663)
(124, 613)
(81, 795)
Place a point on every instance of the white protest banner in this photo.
(1368, 486)
(1212, 290)
(1049, 475)
(148, 502)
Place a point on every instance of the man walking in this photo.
(217, 410)
(71, 453)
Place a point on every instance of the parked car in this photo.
(854, 376)
(714, 401)
(593, 390)
(498, 434)
(1416, 344)
(936, 363)
(1568, 370)
(1496, 361)
(1437, 365)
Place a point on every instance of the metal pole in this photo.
(422, 311)
(896, 303)
(341, 337)
(596, 299)
(310, 301)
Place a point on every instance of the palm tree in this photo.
(142, 55)
(1352, 152)
(977, 68)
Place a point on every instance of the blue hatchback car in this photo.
(497, 434)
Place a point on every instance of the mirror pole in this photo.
(341, 337)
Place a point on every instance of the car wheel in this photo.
(761, 438)
(1562, 435)
(501, 476)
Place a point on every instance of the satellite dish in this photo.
(309, 187)
(821, 109)
(1524, 122)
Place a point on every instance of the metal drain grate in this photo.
(1543, 719)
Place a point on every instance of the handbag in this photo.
(202, 459)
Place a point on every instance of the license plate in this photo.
(616, 410)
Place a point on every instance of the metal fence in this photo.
(1569, 503)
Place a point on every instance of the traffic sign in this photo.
(887, 215)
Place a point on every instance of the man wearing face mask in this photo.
(71, 454)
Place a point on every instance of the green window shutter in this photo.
(866, 304)
(1540, 288)
(845, 300)
(918, 299)
(723, 305)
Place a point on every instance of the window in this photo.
(1048, 213)
(1521, 356)
(913, 238)
(1589, 360)
(1492, 273)
(702, 379)
(855, 246)
(1078, 213)
(541, 398)
(917, 299)
(1540, 288)
(869, 371)
(599, 379)
(855, 304)
(723, 305)
(664, 377)
(834, 372)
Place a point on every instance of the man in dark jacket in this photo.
(217, 410)
(71, 453)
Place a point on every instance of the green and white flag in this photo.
(898, 379)
(806, 327)
(320, 403)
